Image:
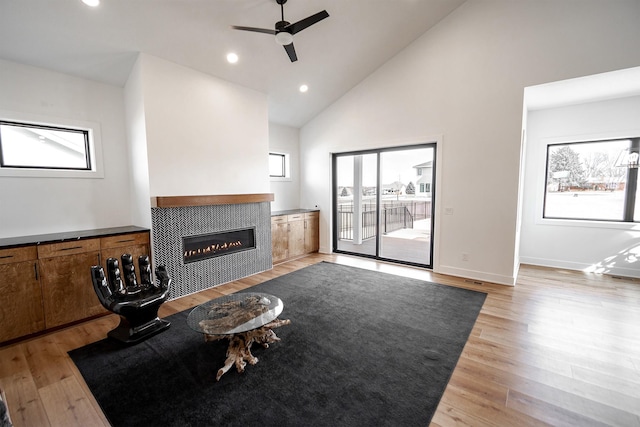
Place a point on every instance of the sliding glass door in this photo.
(383, 203)
(357, 206)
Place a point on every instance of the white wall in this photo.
(579, 245)
(204, 136)
(464, 80)
(137, 138)
(189, 134)
(285, 139)
(49, 205)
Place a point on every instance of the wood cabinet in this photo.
(21, 310)
(114, 246)
(294, 235)
(311, 232)
(47, 285)
(67, 291)
(279, 238)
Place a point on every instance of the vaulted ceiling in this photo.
(334, 55)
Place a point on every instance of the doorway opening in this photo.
(383, 203)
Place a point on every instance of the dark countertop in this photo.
(68, 235)
(293, 211)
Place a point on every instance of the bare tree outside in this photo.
(565, 159)
(585, 181)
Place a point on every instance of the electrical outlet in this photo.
(465, 256)
(448, 211)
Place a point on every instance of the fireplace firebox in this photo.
(210, 245)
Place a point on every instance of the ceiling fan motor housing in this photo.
(281, 25)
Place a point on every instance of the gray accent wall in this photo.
(169, 225)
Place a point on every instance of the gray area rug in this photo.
(364, 348)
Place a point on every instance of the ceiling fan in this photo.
(284, 30)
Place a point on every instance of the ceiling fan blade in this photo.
(291, 51)
(307, 22)
(255, 30)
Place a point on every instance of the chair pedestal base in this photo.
(130, 334)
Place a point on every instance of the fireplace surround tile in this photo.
(170, 225)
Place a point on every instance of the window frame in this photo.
(631, 185)
(286, 160)
(84, 132)
(93, 147)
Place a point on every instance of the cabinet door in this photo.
(20, 295)
(114, 246)
(296, 235)
(279, 240)
(312, 232)
(67, 291)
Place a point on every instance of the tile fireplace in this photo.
(205, 241)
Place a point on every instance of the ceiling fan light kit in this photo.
(284, 30)
(284, 38)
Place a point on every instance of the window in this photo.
(276, 165)
(43, 147)
(594, 180)
(279, 165)
(49, 147)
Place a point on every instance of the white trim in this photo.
(596, 268)
(95, 146)
(541, 180)
(476, 275)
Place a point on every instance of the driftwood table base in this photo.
(239, 351)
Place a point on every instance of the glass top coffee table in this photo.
(242, 318)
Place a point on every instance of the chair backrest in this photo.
(113, 275)
(129, 273)
(114, 280)
(144, 270)
(100, 283)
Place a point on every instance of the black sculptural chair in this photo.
(136, 302)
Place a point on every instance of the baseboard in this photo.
(600, 268)
(476, 275)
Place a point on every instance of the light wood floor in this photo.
(559, 348)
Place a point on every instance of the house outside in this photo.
(424, 179)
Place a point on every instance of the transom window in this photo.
(593, 180)
(24, 145)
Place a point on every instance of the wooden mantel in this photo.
(222, 199)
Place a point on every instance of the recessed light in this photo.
(232, 58)
(92, 3)
(304, 88)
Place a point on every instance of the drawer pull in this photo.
(6, 256)
(35, 269)
(71, 248)
(127, 240)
